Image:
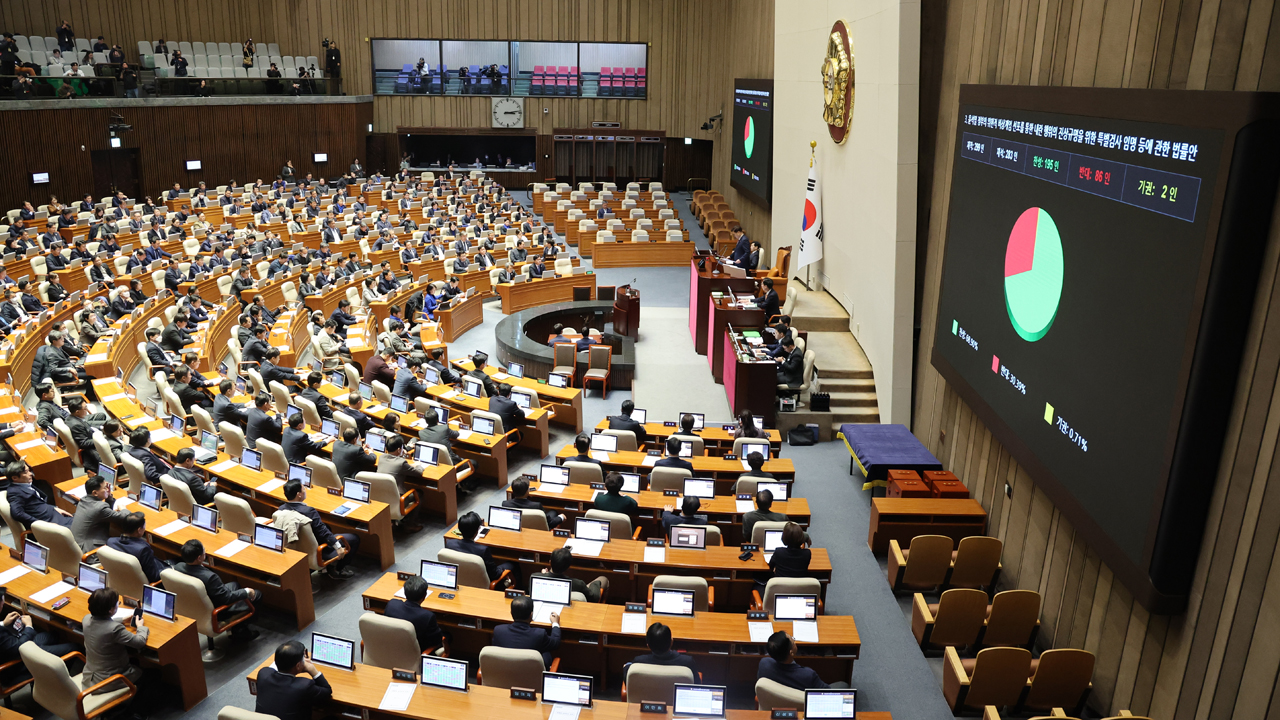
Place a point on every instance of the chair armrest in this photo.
(498, 583)
(955, 681)
(10, 689)
(555, 665)
(320, 556)
(711, 597)
(219, 627)
(921, 619)
(990, 713)
(649, 602)
(105, 706)
(405, 505)
(757, 602)
(624, 690)
(897, 564)
(636, 534)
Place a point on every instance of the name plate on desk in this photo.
(749, 547)
(730, 456)
(654, 453)
(513, 594)
(405, 675)
(523, 694)
(335, 491)
(757, 615)
(402, 576)
(729, 428)
(744, 496)
(634, 607)
(656, 542)
(597, 486)
(671, 493)
(530, 477)
(669, 423)
(653, 707)
(562, 533)
(784, 714)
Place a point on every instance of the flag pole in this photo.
(813, 145)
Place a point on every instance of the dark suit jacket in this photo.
(226, 411)
(140, 549)
(289, 697)
(274, 373)
(623, 422)
(261, 425)
(669, 658)
(174, 338)
(793, 675)
(351, 459)
(670, 520)
(320, 401)
(151, 465)
(219, 593)
(490, 386)
(523, 636)
(298, 445)
(791, 371)
(508, 410)
(156, 356)
(323, 534)
(28, 505)
(408, 385)
(424, 622)
(769, 303)
(480, 551)
(202, 493)
(191, 396)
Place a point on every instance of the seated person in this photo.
(582, 443)
(673, 458)
(133, 540)
(781, 667)
(764, 501)
(688, 515)
(468, 526)
(26, 503)
(342, 545)
(658, 638)
(520, 499)
(282, 691)
(792, 559)
(755, 461)
(561, 560)
(410, 608)
(521, 635)
(623, 421)
(235, 598)
(612, 500)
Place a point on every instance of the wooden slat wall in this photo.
(244, 142)
(689, 42)
(1220, 658)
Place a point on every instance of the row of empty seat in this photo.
(715, 216)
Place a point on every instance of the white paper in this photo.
(650, 460)
(595, 495)
(418, 424)
(760, 631)
(170, 528)
(400, 593)
(655, 554)
(77, 492)
(584, 548)
(51, 592)
(551, 488)
(397, 696)
(231, 548)
(29, 444)
(542, 611)
(270, 485)
(13, 573)
(113, 398)
(450, 395)
(376, 407)
(162, 434)
(96, 358)
(140, 420)
(500, 376)
(767, 557)
(805, 631)
(600, 455)
(634, 623)
(746, 465)
(744, 506)
(464, 434)
(223, 466)
(561, 711)
(122, 612)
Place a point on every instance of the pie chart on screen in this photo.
(1033, 274)
(749, 136)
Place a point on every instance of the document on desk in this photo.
(561, 711)
(231, 548)
(13, 573)
(271, 485)
(744, 506)
(122, 612)
(650, 460)
(140, 420)
(376, 408)
(746, 465)
(450, 395)
(760, 631)
(398, 696)
(162, 434)
(464, 434)
(655, 554)
(113, 398)
(500, 376)
(551, 488)
(77, 492)
(805, 631)
(223, 466)
(51, 592)
(542, 611)
(600, 455)
(584, 548)
(418, 424)
(170, 528)
(29, 444)
(635, 623)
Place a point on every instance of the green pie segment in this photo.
(1033, 274)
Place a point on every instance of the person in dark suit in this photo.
(121, 306)
(173, 278)
(520, 500)
(558, 567)
(26, 503)
(624, 422)
(297, 444)
(257, 349)
(688, 515)
(156, 356)
(285, 695)
(342, 318)
(658, 638)
(781, 667)
(790, 365)
(504, 407)
(11, 639)
(768, 300)
(140, 448)
(133, 541)
(582, 443)
(274, 373)
(350, 457)
(364, 423)
(743, 247)
(202, 491)
(410, 608)
(81, 425)
(409, 381)
(30, 303)
(261, 425)
(781, 331)
(235, 598)
(521, 635)
(188, 394)
(342, 545)
(753, 258)
(468, 527)
(480, 360)
(317, 398)
(226, 411)
(447, 375)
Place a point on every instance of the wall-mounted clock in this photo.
(837, 82)
(507, 112)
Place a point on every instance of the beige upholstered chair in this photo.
(64, 554)
(193, 602)
(387, 642)
(471, 569)
(508, 668)
(124, 572)
(704, 596)
(69, 697)
(771, 694)
(654, 682)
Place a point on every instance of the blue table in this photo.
(878, 448)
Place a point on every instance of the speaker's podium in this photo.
(626, 312)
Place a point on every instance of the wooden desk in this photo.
(724, 472)
(592, 642)
(750, 383)
(630, 575)
(20, 351)
(565, 404)
(701, 284)
(720, 316)
(283, 579)
(361, 690)
(715, 438)
(457, 320)
(73, 279)
(544, 291)
(722, 511)
(535, 435)
(642, 254)
(904, 518)
(174, 647)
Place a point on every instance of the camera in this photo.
(325, 44)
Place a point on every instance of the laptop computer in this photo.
(515, 370)
(35, 556)
(481, 425)
(377, 442)
(699, 487)
(830, 703)
(440, 574)
(204, 518)
(301, 473)
(567, 689)
(91, 578)
(355, 490)
(689, 537)
(699, 701)
(699, 420)
(472, 386)
(747, 448)
(339, 378)
(160, 603)
(778, 489)
(424, 453)
(330, 428)
(630, 482)
(640, 415)
(431, 375)
(504, 518)
(686, 450)
(589, 529)
(333, 651)
(554, 474)
(544, 589)
(558, 380)
(366, 391)
(772, 541)
(669, 601)
(265, 536)
(444, 673)
(604, 443)
(251, 459)
(207, 451)
(150, 496)
(177, 424)
(399, 403)
(795, 607)
(108, 474)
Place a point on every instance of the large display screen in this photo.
(1078, 255)
(752, 138)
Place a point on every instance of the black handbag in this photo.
(820, 402)
(802, 436)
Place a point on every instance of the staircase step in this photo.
(827, 373)
(848, 384)
(855, 415)
(853, 399)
